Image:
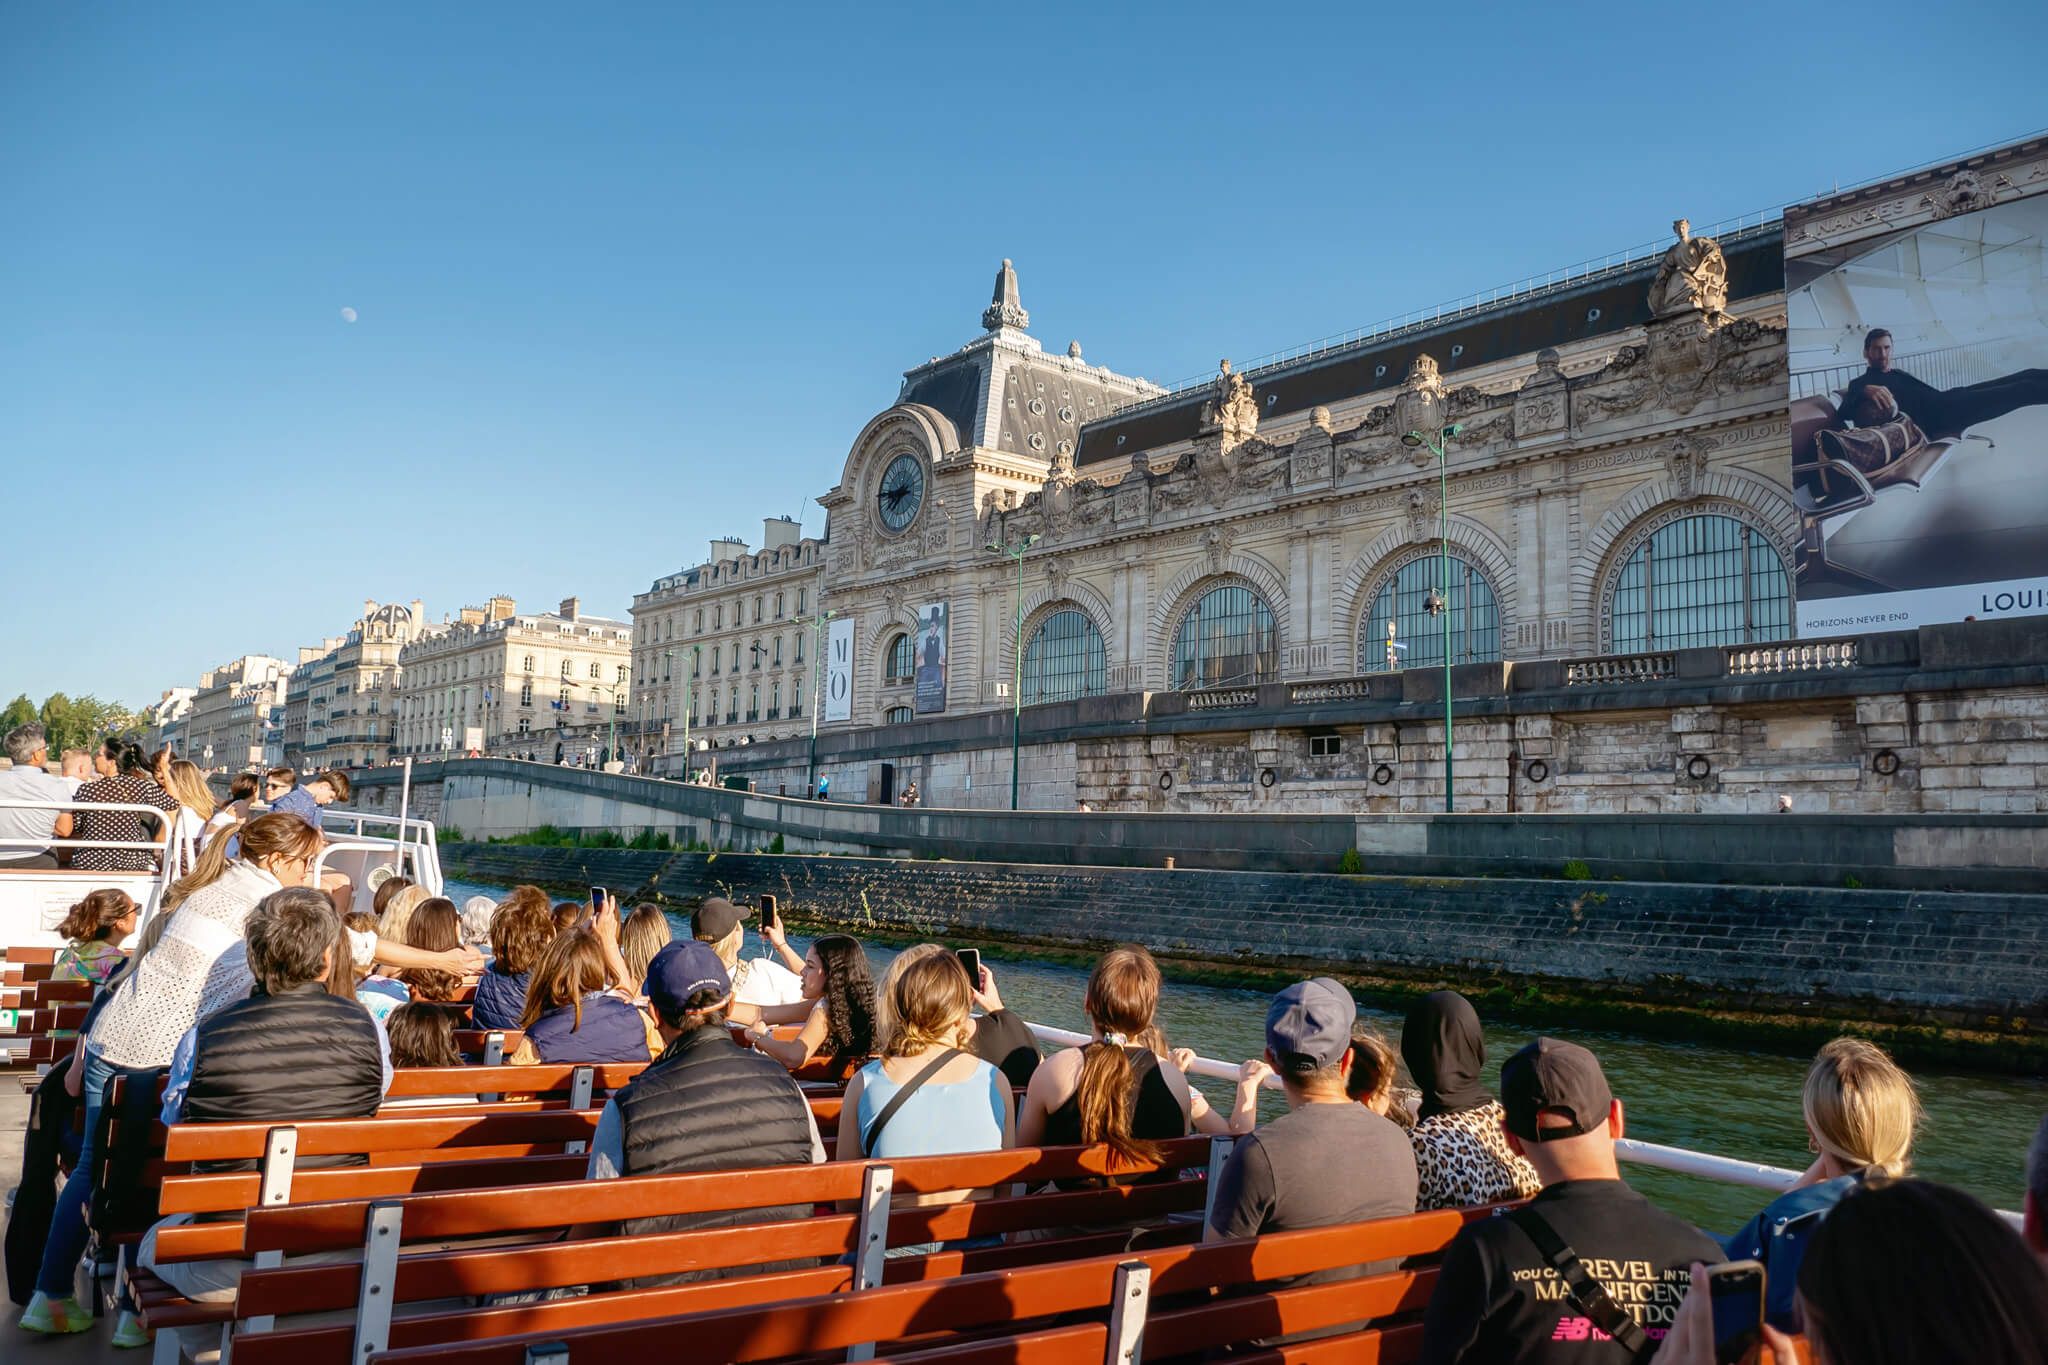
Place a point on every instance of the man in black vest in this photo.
(290, 1052)
(705, 1104)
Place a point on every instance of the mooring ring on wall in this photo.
(1266, 777)
(1166, 782)
(1884, 763)
(1698, 766)
(1537, 770)
(1382, 775)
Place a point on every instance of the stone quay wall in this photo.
(1971, 961)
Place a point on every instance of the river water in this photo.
(1730, 1101)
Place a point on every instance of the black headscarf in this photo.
(1445, 1054)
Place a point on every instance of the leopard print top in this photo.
(1462, 1159)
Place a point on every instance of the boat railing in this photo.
(178, 848)
(411, 849)
(1704, 1165)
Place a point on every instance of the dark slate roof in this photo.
(954, 390)
(1756, 266)
(1065, 402)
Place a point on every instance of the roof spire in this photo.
(1004, 309)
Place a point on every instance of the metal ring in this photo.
(1166, 782)
(1266, 777)
(1698, 766)
(1382, 775)
(1537, 770)
(1884, 763)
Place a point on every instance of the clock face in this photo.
(902, 490)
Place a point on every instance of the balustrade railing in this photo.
(1330, 689)
(1222, 698)
(1817, 657)
(1609, 669)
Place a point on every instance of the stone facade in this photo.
(236, 721)
(722, 651)
(511, 680)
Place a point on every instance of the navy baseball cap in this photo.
(683, 968)
(1309, 1024)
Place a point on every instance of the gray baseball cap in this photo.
(1309, 1025)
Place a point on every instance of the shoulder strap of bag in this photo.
(1609, 1316)
(910, 1087)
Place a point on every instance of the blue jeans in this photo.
(67, 1224)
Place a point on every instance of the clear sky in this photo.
(626, 277)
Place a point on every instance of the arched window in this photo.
(1702, 580)
(1475, 617)
(1064, 659)
(902, 660)
(1229, 639)
(897, 715)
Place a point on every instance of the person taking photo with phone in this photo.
(757, 981)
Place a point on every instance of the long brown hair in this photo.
(928, 1006)
(571, 968)
(341, 972)
(645, 933)
(434, 928)
(95, 917)
(1123, 995)
(280, 834)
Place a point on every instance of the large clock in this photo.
(901, 492)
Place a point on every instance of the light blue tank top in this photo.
(963, 1116)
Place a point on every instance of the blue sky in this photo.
(631, 276)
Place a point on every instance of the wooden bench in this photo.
(439, 1218)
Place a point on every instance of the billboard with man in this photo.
(1918, 337)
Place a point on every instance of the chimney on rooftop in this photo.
(501, 608)
(571, 608)
(472, 616)
(777, 532)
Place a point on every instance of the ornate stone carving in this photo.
(1216, 543)
(1421, 405)
(1314, 454)
(1133, 506)
(1056, 578)
(1684, 361)
(1231, 409)
(1005, 309)
(1686, 457)
(1543, 405)
(934, 541)
(1692, 277)
(1965, 192)
(1422, 513)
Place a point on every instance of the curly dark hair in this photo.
(849, 998)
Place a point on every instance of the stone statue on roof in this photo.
(1231, 406)
(1692, 277)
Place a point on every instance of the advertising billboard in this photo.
(1918, 349)
(838, 670)
(932, 620)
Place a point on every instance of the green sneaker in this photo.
(129, 1332)
(45, 1314)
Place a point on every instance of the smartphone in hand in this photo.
(1736, 1291)
(970, 958)
(597, 895)
(770, 916)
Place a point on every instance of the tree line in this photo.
(74, 722)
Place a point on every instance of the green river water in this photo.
(1709, 1097)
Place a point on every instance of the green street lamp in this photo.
(817, 694)
(1017, 698)
(1416, 440)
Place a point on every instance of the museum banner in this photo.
(932, 620)
(838, 670)
(1917, 330)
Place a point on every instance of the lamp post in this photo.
(611, 735)
(1441, 446)
(817, 692)
(1017, 697)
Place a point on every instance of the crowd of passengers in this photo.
(264, 1002)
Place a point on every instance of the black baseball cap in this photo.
(1550, 1076)
(714, 919)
